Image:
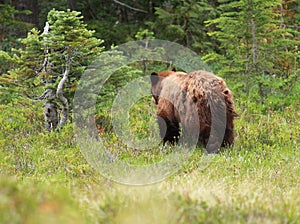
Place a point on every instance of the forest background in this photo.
(252, 44)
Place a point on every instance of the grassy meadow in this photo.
(105, 53)
(46, 179)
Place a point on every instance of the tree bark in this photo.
(50, 112)
(59, 94)
(255, 57)
(51, 116)
(255, 60)
(72, 5)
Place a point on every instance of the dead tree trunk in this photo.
(51, 109)
(51, 116)
(255, 60)
(54, 98)
(60, 97)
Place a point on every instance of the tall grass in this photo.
(46, 179)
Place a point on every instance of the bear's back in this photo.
(197, 84)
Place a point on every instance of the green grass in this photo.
(46, 179)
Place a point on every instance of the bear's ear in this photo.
(173, 69)
(154, 78)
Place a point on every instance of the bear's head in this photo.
(156, 81)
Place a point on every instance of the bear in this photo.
(200, 101)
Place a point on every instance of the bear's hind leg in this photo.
(228, 138)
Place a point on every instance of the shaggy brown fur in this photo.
(193, 100)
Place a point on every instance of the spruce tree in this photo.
(183, 22)
(52, 62)
(256, 46)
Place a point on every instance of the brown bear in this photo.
(200, 101)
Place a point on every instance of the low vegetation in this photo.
(45, 178)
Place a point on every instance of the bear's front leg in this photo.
(167, 121)
(169, 130)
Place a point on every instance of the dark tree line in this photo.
(252, 41)
(117, 21)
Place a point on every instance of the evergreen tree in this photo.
(53, 62)
(256, 45)
(183, 22)
(10, 26)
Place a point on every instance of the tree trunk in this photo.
(254, 43)
(60, 97)
(51, 110)
(255, 60)
(51, 116)
(72, 5)
(54, 98)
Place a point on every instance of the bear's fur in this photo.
(190, 99)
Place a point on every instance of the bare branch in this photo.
(60, 96)
(46, 28)
(46, 31)
(130, 7)
(48, 94)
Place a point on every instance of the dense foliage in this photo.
(252, 44)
